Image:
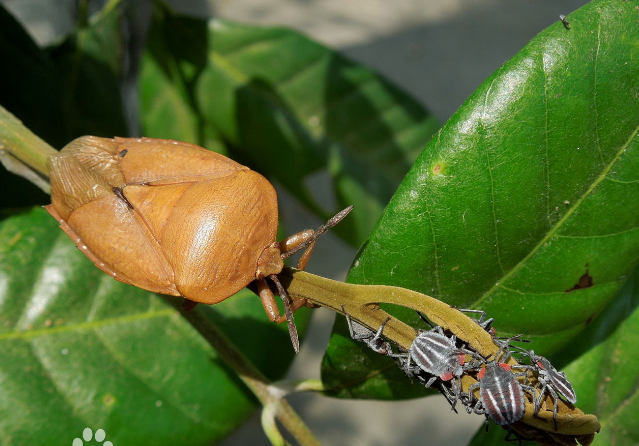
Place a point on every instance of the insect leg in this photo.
(188, 305)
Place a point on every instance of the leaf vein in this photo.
(612, 234)
(552, 232)
(594, 99)
(253, 44)
(27, 334)
(143, 380)
(311, 64)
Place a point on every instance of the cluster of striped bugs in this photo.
(437, 358)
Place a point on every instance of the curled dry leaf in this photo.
(361, 303)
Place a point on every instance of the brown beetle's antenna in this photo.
(320, 231)
(292, 329)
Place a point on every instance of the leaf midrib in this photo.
(556, 227)
(27, 334)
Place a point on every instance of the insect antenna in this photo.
(292, 329)
(319, 232)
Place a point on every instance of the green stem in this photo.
(22, 144)
(249, 374)
(361, 303)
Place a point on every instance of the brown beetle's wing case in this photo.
(83, 176)
(215, 233)
(172, 162)
(212, 216)
(164, 216)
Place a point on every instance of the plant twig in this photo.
(22, 152)
(250, 375)
(361, 303)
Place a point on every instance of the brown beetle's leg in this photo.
(270, 306)
(273, 312)
(268, 301)
(188, 305)
(295, 243)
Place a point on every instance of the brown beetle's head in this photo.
(270, 262)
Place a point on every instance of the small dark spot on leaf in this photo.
(123, 152)
(437, 168)
(588, 321)
(585, 281)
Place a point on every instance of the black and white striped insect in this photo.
(436, 356)
(501, 395)
(551, 381)
(364, 334)
(376, 343)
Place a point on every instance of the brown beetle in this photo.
(174, 218)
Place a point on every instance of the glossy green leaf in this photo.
(605, 371)
(526, 204)
(89, 65)
(81, 349)
(172, 58)
(288, 107)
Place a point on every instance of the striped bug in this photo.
(501, 395)
(437, 356)
(552, 382)
(376, 343)
(364, 334)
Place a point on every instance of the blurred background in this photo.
(438, 51)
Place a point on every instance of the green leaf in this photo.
(526, 204)
(289, 107)
(89, 65)
(604, 370)
(81, 349)
(174, 54)
(73, 88)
